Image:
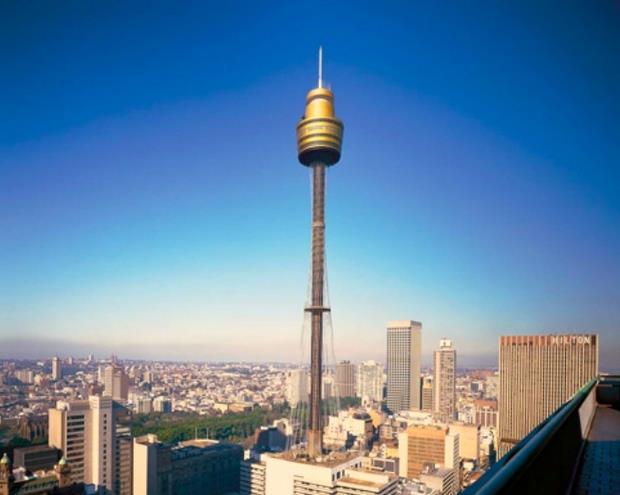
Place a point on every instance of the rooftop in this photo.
(329, 460)
(201, 447)
(599, 470)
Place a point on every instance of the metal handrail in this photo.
(527, 450)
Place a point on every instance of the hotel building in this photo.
(538, 373)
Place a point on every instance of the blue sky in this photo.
(152, 204)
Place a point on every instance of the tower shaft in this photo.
(315, 435)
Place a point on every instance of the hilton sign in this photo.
(571, 339)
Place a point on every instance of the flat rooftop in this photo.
(330, 460)
(599, 472)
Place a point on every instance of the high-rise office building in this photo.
(538, 373)
(345, 379)
(84, 431)
(444, 381)
(427, 393)
(297, 386)
(115, 383)
(422, 445)
(404, 341)
(370, 381)
(56, 368)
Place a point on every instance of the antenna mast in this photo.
(320, 67)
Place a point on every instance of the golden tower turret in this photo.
(319, 132)
(319, 138)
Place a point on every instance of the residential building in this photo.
(444, 381)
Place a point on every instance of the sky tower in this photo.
(319, 137)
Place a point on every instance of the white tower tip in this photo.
(320, 67)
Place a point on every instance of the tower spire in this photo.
(320, 85)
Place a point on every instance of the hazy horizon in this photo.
(39, 350)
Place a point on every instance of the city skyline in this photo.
(129, 220)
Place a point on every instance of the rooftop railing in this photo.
(547, 459)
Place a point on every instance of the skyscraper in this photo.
(345, 379)
(319, 138)
(56, 368)
(84, 431)
(404, 341)
(444, 373)
(370, 381)
(537, 374)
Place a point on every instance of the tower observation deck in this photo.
(319, 139)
